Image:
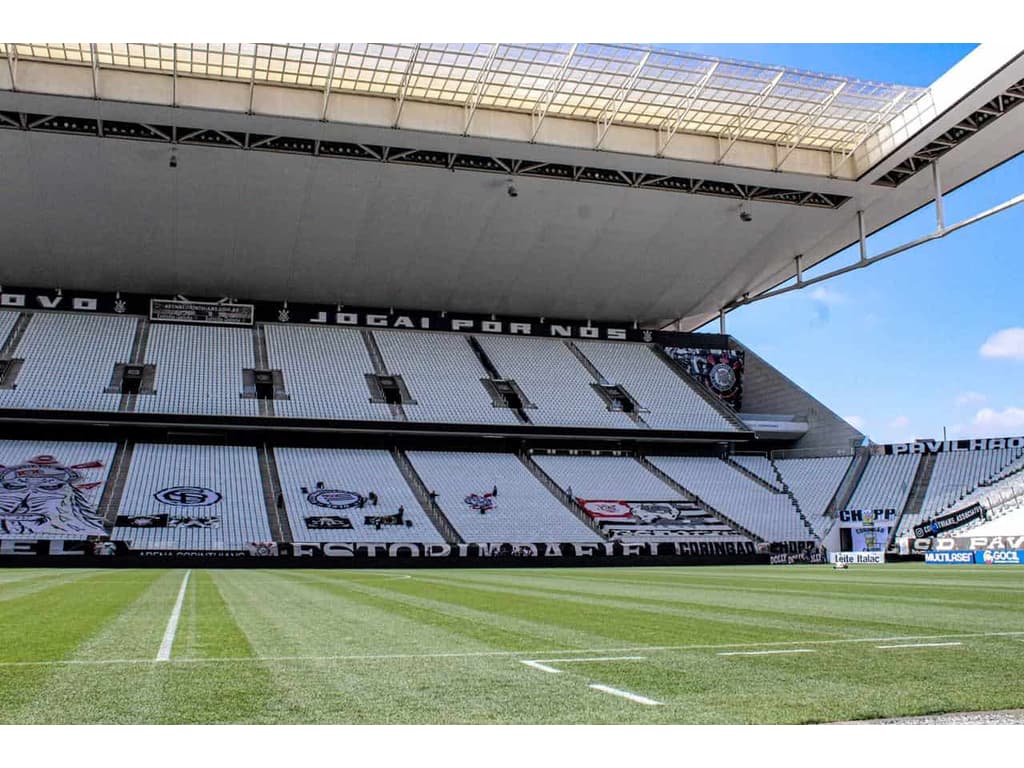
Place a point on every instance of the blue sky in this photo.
(908, 345)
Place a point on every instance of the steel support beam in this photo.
(95, 71)
(868, 132)
(329, 83)
(747, 114)
(12, 64)
(477, 92)
(404, 86)
(866, 262)
(544, 103)
(604, 123)
(252, 82)
(808, 123)
(940, 223)
(721, 321)
(862, 236)
(665, 135)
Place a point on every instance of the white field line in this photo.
(766, 653)
(542, 664)
(164, 654)
(1016, 634)
(920, 645)
(624, 694)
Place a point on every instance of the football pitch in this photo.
(797, 644)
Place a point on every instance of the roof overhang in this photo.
(358, 211)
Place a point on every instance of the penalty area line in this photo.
(542, 664)
(164, 654)
(625, 694)
(919, 645)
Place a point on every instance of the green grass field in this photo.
(448, 646)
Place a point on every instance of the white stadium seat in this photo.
(358, 472)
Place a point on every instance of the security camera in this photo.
(174, 161)
(512, 191)
(745, 215)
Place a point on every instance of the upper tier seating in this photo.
(212, 496)
(324, 372)
(609, 478)
(769, 515)
(814, 482)
(69, 360)
(51, 490)
(958, 474)
(524, 511)
(553, 380)
(199, 370)
(442, 374)
(359, 472)
(7, 322)
(886, 482)
(665, 399)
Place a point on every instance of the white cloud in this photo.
(1008, 342)
(989, 422)
(825, 296)
(856, 422)
(966, 398)
(899, 422)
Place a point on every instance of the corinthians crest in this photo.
(44, 496)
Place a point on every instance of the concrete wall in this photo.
(767, 390)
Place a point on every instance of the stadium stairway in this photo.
(260, 358)
(270, 479)
(397, 411)
(757, 478)
(14, 337)
(431, 507)
(721, 408)
(917, 492)
(794, 501)
(494, 375)
(137, 357)
(553, 488)
(849, 483)
(690, 496)
(110, 501)
(599, 378)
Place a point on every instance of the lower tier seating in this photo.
(523, 510)
(197, 497)
(330, 493)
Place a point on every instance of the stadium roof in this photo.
(378, 174)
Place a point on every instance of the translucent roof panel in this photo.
(610, 84)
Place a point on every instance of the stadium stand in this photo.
(199, 370)
(192, 497)
(69, 359)
(886, 482)
(7, 322)
(554, 380)
(325, 372)
(52, 490)
(813, 483)
(666, 401)
(522, 512)
(769, 515)
(443, 376)
(958, 474)
(761, 466)
(605, 477)
(313, 479)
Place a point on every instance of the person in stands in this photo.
(494, 492)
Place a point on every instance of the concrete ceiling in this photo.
(93, 213)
